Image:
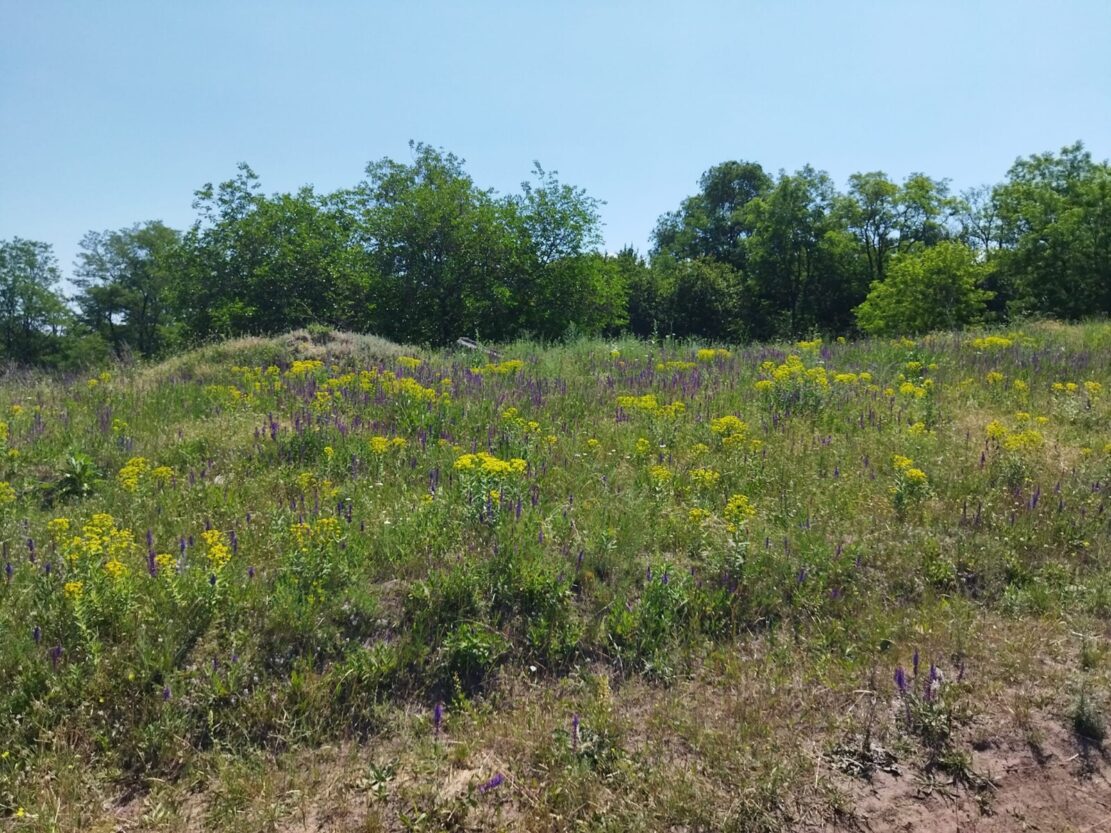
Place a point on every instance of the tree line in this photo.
(419, 253)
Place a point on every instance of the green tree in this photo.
(698, 297)
(1055, 226)
(568, 285)
(258, 264)
(889, 219)
(126, 279)
(802, 271)
(714, 223)
(448, 253)
(33, 315)
(936, 288)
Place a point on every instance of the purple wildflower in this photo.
(438, 718)
(914, 663)
(166, 695)
(492, 784)
(901, 679)
(36, 634)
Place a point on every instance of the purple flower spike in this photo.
(36, 634)
(166, 695)
(492, 784)
(915, 663)
(901, 680)
(438, 718)
(55, 656)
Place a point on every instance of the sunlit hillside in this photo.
(327, 582)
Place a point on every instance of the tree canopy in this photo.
(417, 251)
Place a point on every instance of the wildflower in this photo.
(993, 377)
(709, 354)
(218, 551)
(575, 730)
(438, 718)
(7, 493)
(492, 784)
(74, 589)
(705, 478)
(486, 463)
(115, 569)
(738, 511)
(697, 515)
(728, 425)
(991, 343)
(915, 475)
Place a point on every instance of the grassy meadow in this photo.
(326, 582)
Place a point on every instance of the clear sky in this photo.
(114, 112)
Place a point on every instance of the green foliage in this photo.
(31, 311)
(937, 288)
(126, 282)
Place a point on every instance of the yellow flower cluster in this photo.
(217, 548)
(738, 511)
(648, 404)
(137, 469)
(993, 377)
(709, 354)
(304, 367)
(57, 529)
(406, 388)
(810, 345)
(705, 478)
(99, 538)
(991, 343)
(904, 466)
(410, 362)
(485, 463)
(852, 378)
(698, 515)
(793, 371)
(729, 426)
(506, 368)
(663, 367)
(7, 493)
(659, 475)
(324, 530)
(380, 445)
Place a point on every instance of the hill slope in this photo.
(338, 584)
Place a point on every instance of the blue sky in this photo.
(115, 112)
